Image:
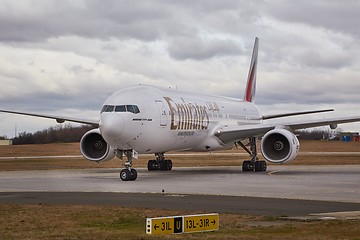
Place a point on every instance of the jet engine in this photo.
(94, 148)
(279, 146)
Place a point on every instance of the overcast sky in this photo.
(66, 57)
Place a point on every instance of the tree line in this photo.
(317, 134)
(63, 133)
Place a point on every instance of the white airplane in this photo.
(151, 120)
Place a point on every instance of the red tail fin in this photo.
(251, 81)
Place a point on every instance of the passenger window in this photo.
(120, 108)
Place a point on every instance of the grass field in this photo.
(178, 161)
(106, 222)
(103, 222)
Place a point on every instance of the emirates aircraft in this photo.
(151, 120)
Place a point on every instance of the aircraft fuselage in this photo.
(171, 119)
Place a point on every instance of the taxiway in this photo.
(326, 183)
(282, 190)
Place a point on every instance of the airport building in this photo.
(6, 142)
(349, 136)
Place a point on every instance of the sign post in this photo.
(182, 224)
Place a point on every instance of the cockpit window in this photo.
(136, 109)
(109, 108)
(103, 108)
(132, 108)
(121, 108)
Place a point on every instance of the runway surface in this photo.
(282, 190)
(194, 203)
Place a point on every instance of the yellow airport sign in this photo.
(182, 224)
(201, 223)
(164, 225)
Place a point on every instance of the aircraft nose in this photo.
(111, 126)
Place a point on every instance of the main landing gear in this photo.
(254, 164)
(128, 173)
(160, 163)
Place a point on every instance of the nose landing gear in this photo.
(128, 173)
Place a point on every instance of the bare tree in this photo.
(315, 134)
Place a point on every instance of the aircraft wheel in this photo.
(133, 175)
(260, 166)
(264, 166)
(152, 165)
(247, 166)
(168, 164)
(125, 175)
(163, 165)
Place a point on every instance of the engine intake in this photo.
(94, 148)
(279, 146)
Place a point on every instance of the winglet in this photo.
(251, 81)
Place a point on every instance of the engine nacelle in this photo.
(94, 148)
(279, 146)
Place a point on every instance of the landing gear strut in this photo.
(128, 173)
(160, 163)
(254, 164)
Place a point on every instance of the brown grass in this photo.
(179, 161)
(329, 146)
(56, 149)
(104, 222)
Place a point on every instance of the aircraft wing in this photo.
(265, 117)
(59, 119)
(236, 133)
(319, 122)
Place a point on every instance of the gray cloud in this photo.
(39, 20)
(331, 15)
(145, 21)
(58, 55)
(51, 102)
(331, 59)
(198, 49)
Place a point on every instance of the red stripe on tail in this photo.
(251, 81)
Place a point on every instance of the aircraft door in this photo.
(162, 112)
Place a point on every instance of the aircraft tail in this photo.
(249, 95)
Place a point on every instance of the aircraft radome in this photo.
(151, 120)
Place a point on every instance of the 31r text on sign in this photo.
(201, 223)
